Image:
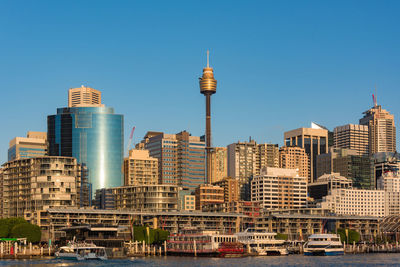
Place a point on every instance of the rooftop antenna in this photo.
(376, 97)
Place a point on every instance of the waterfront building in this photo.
(152, 198)
(381, 130)
(294, 157)
(219, 164)
(33, 145)
(140, 168)
(327, 182)
(277, 188)
(231, 188)
(348, 163)
(104, 199)
(181, 158)
(208, 194)
(298, 224)
(390, 183)
(36, 184)
(352, 136)
(84, 97)
(93, 134)
(54, 220)
(353, 201)
(313, 140)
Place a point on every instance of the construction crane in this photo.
(130, 141)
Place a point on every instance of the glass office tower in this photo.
(92, 135)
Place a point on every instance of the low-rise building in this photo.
(208, 194)
(151, 198)
(231, 188)
(325, 183)
(278, 188)
(352, 201)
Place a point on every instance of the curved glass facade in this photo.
(92, 135)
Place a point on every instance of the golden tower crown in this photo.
(208, 85)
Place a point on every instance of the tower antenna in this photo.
(376, 97)
(208, 58)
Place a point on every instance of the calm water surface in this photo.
(292, 260)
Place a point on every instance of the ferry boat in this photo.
(324, 245)
(81, 251)
(204, 243)
(262, 243)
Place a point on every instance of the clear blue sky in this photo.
(279, 64)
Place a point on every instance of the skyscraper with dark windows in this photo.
(94, 136)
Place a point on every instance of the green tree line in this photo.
(19, 228)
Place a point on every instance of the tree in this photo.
(7, 224)
(26, 230)
(353, 236)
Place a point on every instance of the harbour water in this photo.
(292, 260)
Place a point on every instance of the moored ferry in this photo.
(81, 251)
(323, 245)
(262, 243)
(204, 243)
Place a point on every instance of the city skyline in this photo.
(329, 81)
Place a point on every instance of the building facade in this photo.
(327, 182)
(267, 156)
(181, 158)
(231, 188)
(92, 135)
(84, 96)
(104, 199)
(278, 188)
(208, 194)
(140, 168)
(352, 136)
(348, 163)
(390, 183)
(219, 164)
(294, 157)
(381, 130)
(358, 202)
(314, 141)
(149, 198)
(36, 184)
(33, 145)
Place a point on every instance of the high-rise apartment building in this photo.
(84, 97)
(219, 164)
(36, 184)
(348, 163)
(352, 136)
(140, 168)
(277, 188)
(33, 145)
(246, 159)
(181, 158)
(267, 156)
(294, 157)
(381, 130)
(94, 136)
(313, 140)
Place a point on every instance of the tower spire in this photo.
(208, 58)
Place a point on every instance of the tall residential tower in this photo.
(208, 86)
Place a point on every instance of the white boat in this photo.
(81, 251)
(262, 243)
(323, 244)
